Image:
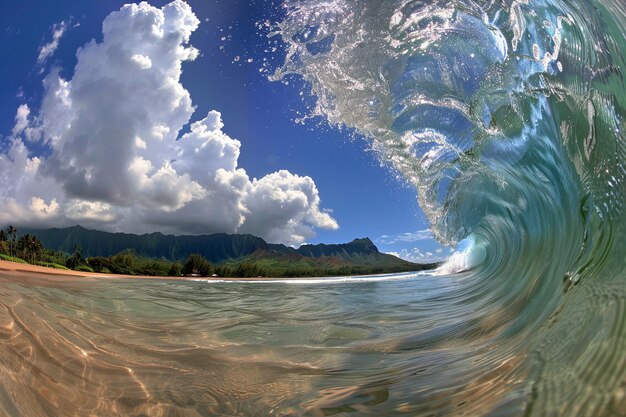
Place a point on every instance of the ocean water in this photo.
(422, 344)
(409, 344)
(508, 118)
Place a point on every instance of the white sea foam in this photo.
(468, 257)
(320, 280)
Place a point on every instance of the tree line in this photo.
(29, 249)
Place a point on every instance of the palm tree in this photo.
(30, 248)
(12, 232)
(76, 258)
(35, 248)
(4, 244)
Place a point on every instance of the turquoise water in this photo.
(412, 344)
(508, 118)
(371, 346)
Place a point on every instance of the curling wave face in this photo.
(508, 118)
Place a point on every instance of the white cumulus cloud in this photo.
(21, 119)
(116, 158)
(24, 125)
(48, 49)
(285, 208)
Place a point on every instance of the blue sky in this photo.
(230, 75)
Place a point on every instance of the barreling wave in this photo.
(508, 118)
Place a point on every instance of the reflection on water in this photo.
(124, 347)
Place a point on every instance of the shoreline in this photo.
(54, 273)
(36, 271)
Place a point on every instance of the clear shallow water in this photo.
(508, 118)
(371, 347)
(413, 344)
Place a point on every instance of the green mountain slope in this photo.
(244, 252)
(216, 248)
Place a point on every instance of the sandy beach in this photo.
(14, 268)
(28, 270)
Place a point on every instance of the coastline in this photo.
(19, 270)
(15, 268)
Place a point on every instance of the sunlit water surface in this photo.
(409, 344)
(508, 119)
(373, 346)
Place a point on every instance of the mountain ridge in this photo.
(217, 248)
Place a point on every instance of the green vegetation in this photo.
(221, 255)
(76, 259)
(271, 264)
(129, 263)
(51, 265)
(4, 245)
(10, 258)
(176, 270)
(26, 249)
(29, 248)
(215, 248)
(197, 265)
